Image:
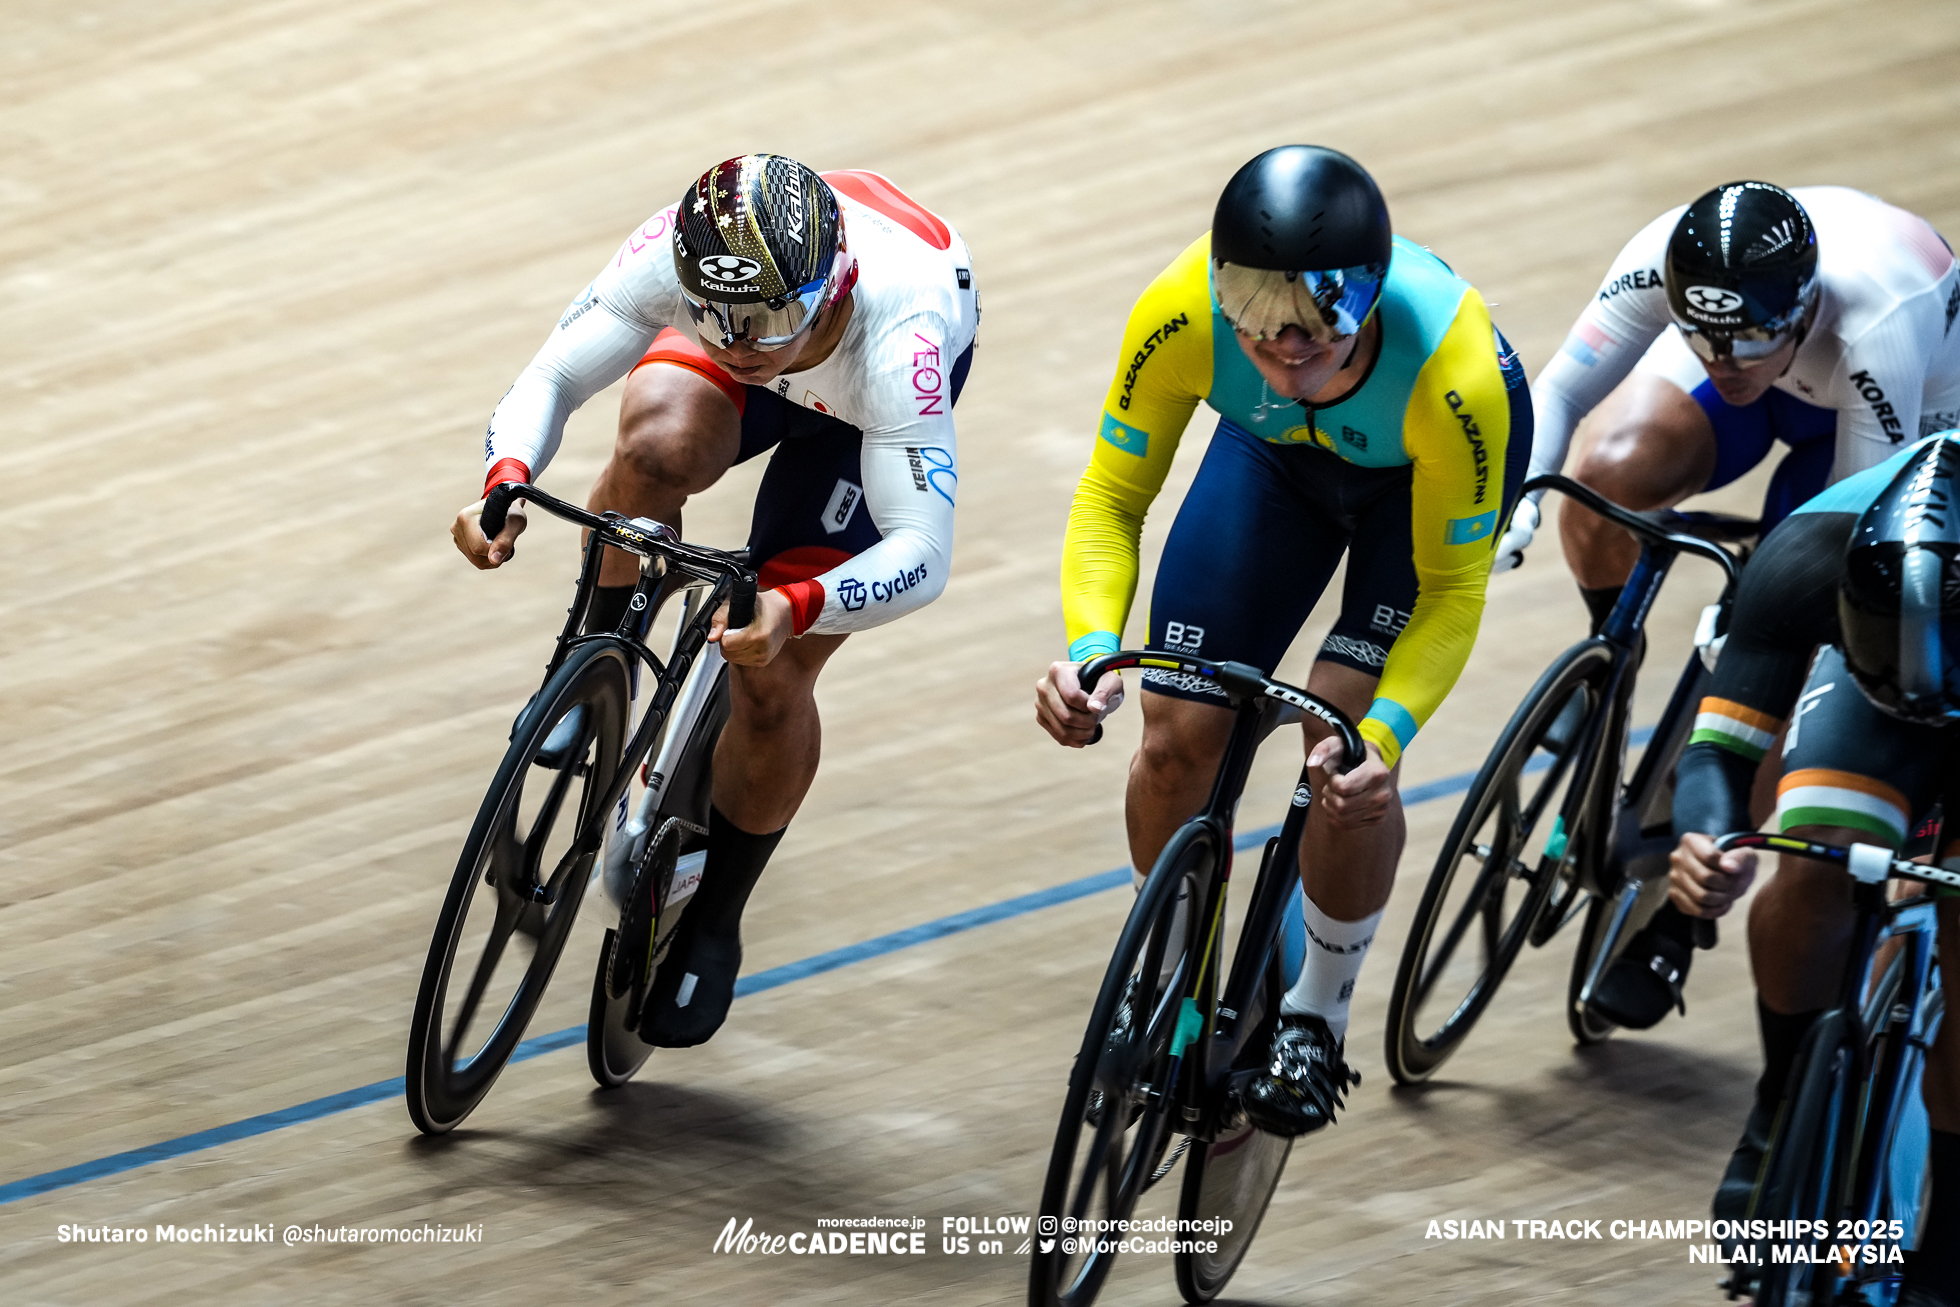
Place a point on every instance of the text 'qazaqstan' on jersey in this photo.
(1435, 400)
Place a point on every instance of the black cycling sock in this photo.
(1936, 1263)
(1782, 1034)
(734, 864)
(695, 984)
(1600, 603)
(608, 606)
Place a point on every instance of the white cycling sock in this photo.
(1178, 915)
(1335, 950)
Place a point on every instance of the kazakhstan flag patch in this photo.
(1469, 530)
(1128, 439)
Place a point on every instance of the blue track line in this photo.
(755, 983)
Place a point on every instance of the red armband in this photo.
(805, 604)
(507, 469)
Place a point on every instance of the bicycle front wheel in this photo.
(517, 888)
(1810, 1159)
(1505, 853)
(1115, 1123)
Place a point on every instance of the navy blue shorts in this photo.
(1258, 538)
(1744, 437)
(809, 510)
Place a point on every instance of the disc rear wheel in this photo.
(1232, 1178)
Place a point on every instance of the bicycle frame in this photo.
(1913, 922)
(662, 558)
(1625, 830)
(1209, 1034)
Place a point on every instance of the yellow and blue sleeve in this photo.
(1455, 431)
(1163, 371)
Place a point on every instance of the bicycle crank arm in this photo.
(1622, 909)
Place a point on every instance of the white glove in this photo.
(1517, 537)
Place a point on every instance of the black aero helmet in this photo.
(1741, 270)
(759, 246)
(1899, 601)
(1300, 238)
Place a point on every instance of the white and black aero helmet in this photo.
(1899, 601)
(1741, 271)
(759, 246)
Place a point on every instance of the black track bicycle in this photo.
(1549, 832)
(562, 786)
(1174, 1038)
(1848, 1148)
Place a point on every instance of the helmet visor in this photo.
(1329, 306)
(1747, 347)
(1904, 660)
(763, 325)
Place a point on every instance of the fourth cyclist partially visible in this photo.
(1870, 571)
(828, 318)
(1367, 407)
(1820, 318)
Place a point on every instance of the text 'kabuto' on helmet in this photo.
(760, 250)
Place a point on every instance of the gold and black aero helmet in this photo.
(1899, 601)
(759, 246)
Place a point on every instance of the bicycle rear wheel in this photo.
(515, 894)
(1508, 829)
(1233, 1177)
(614, 1051)
(1810, 1159)
(1115, 1122)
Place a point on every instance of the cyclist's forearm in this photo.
(905, 570)
(577, 361)
(1100, 557)
(1711, 790)
(1424, 662)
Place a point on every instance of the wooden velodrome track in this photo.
(266, 267)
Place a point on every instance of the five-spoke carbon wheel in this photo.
(1506, 854)
(517, 888)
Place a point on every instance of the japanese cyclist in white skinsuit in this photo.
(1821, 318)
(828, 318)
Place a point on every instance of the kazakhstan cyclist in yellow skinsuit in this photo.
(1367, 407)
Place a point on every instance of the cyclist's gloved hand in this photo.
(1704, 883)
(1070, 713)
(1517, 536)
(467, 532)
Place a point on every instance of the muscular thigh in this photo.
(1651, 445)
(680, 422)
